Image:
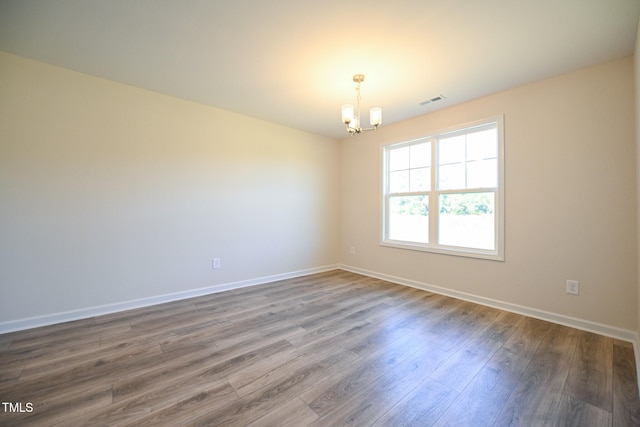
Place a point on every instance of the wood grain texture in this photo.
(538, 393)
(626, 405)
(328, 349)
(591, 374)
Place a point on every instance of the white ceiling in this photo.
(291, 61)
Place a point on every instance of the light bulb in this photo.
(375, 116)
(347, 113)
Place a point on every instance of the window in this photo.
(445, 193)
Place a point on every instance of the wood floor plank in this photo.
(141, 405)
(261, 402)
(51, 340)
(78, 359)
(422, 407)
(341, 324)
(54, 411)
(261, 371)
(215, 365)
(48, 349)
(294, 413)
(591, 373)
(626, 405)
(184, 411)
(50, 332)
(459, 369)
(484, 397)
(281, 373)
(8, 374)
(326, 349)
(374, 399)
(5, 342)
(93, 373)
(447, 318)
(574, 412)
(536, 399)
(325, 396)
(528, 337)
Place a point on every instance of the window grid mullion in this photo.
(468, 190)
(433, 197)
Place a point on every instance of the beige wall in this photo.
(570, 199)
(110, 193)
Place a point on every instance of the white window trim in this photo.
(498, 253)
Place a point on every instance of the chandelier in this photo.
(353, 121)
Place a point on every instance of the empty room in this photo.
(297, 213)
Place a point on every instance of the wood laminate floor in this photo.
(329, 349)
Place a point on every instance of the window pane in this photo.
(482, 145)
(451, 150)
(482, 174)
(451, 177)
(467, 220)
(399, 182)
(409, 218)
(399, 158)
(420, 155)
(420, 179)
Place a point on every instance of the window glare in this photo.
(451, 177)
(482, 174)
(482, 145)
(399, 181)
(467, 220)
(420, 179)
(409, 218)
(399, 158)
(420, 155)
(451, 150)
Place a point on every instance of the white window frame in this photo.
(497, 254)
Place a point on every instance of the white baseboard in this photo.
(84, 313)
(585, 325)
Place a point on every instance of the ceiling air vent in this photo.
(434, 99)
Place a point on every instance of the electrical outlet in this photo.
(573, 287)
(216, 263)
(352, 250)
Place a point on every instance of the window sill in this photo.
(444, 250)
